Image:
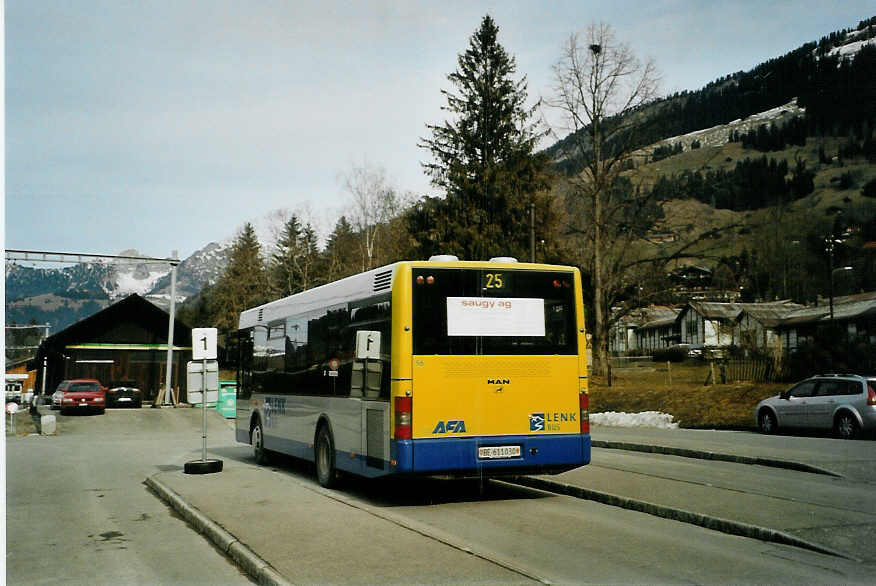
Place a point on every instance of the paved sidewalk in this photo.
(265, 519)
(279, 528)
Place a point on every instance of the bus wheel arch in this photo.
(324, 454)
(257, 439)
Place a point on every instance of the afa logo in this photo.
(451, 426)
(536, 422)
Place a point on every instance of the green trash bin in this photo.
(227, 403)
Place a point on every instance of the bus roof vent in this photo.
(503, 259)
(382, 281)
(443, 258)
(261, 314)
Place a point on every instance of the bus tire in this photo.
(257, 439)
(325, 458)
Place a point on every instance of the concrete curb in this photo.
(714, 523)
(261, 571)
(703, 455)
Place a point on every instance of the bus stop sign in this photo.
(204, 344)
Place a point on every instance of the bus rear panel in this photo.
(497, 384)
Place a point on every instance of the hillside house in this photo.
(127, 341)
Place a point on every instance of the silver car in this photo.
(845, 403)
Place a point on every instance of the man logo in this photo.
(450, 427)
(536, 422)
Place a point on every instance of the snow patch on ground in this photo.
(643, 419)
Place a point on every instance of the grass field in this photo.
(691, 403)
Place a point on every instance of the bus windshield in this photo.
(493, 312)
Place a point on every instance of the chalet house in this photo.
(759, 324)
(855, 314)
(715, 325)
(644, 330)
(658, 330)
(126, 341)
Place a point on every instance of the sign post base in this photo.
(203, 467)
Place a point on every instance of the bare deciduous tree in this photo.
(375, 203)
(599, 85)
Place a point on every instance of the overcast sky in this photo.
(166, 125)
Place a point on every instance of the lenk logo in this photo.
(451, 426)
(549, 421)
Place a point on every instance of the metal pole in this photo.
(532, 231)
(167, 375)
(204, 410)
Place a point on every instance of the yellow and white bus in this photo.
(439, 367)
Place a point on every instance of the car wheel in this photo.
(325, 458)
(846, 426)
(766, 421)
(257, 438)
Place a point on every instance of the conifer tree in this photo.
(341, 251)
(483, 157)
(285, 272)
(243, 284)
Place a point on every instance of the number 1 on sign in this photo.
(204, 347)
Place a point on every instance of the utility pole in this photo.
(170, 327)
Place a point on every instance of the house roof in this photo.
(771, 315)
(717, 311)
(659, 316)
(131, 309)
(844, 308)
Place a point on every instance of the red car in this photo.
(83, 395)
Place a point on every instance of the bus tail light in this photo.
(584, 404)
(403, 417)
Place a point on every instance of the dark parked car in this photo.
(124, 394)
(845, 403)
(81, 395)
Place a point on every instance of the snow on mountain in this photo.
(720, 135)
(850, 49)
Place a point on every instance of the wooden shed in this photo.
(127, 341)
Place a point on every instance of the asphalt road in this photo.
(77, 511)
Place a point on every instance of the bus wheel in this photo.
(325, 458)
(258, 443)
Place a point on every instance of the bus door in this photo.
(366, 383)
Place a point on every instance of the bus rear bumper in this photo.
(538, 454)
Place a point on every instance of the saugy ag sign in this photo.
(495, 316)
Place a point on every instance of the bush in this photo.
(869, 189)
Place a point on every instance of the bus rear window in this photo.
(493, 312)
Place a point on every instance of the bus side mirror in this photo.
(367, 345)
